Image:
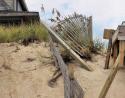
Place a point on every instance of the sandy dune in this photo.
(25, 71)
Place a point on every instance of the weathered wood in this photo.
(110, 79)
(77, 57)
(76, 30)
(7, 18)
(71, 71)
(122, 52)
(6, 13)
(71, 87)
(108, 33)
(63, 68)
(53, 80)
(121, 37)
(115, 36)
(13, 5)
(108, 54)
(4, 5)
(73, 43)
(76, 91)
(115, 49)
(90, 29)
(119, 32)
(121, 29)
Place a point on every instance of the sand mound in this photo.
(25, 71)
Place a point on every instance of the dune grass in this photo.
(16, 33)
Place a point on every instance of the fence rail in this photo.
(71, 87)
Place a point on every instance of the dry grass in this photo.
(16, 33)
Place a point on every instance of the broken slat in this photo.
(76, 91)
(77, 57)
(71, 87)
(75, 31)
(110, 79)
(63, 68)
(52, 81)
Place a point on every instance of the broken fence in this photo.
(71, 87)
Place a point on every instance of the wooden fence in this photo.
(71, 87)
(76, 31)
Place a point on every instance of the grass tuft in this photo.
(16, 33)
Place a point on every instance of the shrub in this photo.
(98, 46)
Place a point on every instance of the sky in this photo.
(105, 13)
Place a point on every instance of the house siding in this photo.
(15, 5)
(10, 3)
(3, 5)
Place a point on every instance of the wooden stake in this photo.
(108, 54)
(115, 51)
(110, 79)
(122, 51)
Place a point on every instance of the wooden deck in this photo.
(12, 17)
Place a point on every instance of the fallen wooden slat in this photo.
(77, 57)
(63, 68)
(110, 79)
(76, 90)
(71, 87)
(52, 81)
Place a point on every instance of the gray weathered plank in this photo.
(71, 87)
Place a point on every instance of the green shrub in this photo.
(98, 45)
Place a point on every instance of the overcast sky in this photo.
(106, 13)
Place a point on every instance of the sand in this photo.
(25, 71)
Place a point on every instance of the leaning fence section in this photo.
(76, 31)
(74, 34)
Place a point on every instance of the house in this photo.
(13, 5)
(16, 12)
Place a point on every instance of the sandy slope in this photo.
(25, 71)
(118, 86)
(22, 78)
